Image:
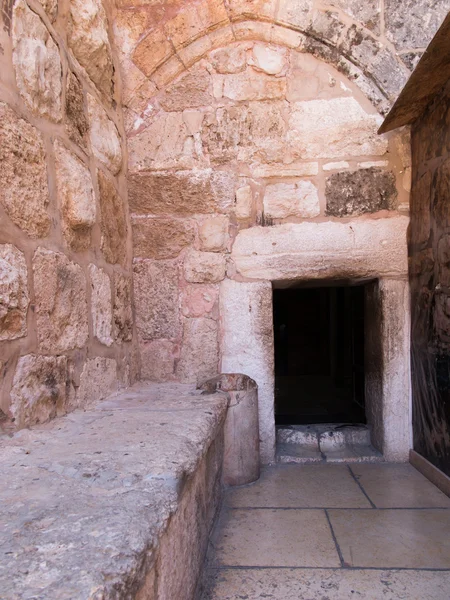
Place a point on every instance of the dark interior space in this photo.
(319, 355)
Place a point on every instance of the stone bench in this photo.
(113, 502)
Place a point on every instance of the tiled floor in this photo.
(332, 532)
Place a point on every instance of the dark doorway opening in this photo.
(319, 355)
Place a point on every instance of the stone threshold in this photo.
(103, 503)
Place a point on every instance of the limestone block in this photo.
(37, 63)
(97, 381)
(23, 174)
(157, 360)
(270, 60)
(122, 308)
(181, 192)
(101, 306)
(192, 20)
(213, 234)
(389, 71)
(296, 12)
(190, 91)
(167, 72)
(77, 123)
(297, 251)
(367, 13)
(87, 36)
(113, 222)
(104, 137)
(192, 53)
(247, 347)
(198, 299)
(156, 299)
(199, 356)
(204, 267)
(76, 197)
(193, 120)
(13, 293)
(152, 51)
(251, 85)
(336, 166)
(50, 7)
(326, 25)
(244, 202)
(232, 59)
(160, 237)
(260, 8)
(282, 200)
(38, 393)
(61, 306)
(334, 128)
(291, 170)
(286, 37)
(252, 30)
(358, 192)
(413, 23)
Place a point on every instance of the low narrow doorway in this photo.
(319, 354)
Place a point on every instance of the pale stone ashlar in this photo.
(105, 140)
(300, 199)
(14, 298)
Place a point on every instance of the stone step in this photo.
(297, 453)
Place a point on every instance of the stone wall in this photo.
(429, 249)
(66, 324)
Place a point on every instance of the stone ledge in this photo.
(92, 502)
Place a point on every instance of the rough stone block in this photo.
(122, 309)
(190, 91)
(282, 200)
(182, 192)
(76, 198)
(152, 52)
(87, 36)
(244, 202)
(358, 192)
(13, 293)
(334, 128)
(253, 8)
(97, 381)
(296, 12)
(50, 7)
(390, 72)
(251, 85)
(113, 222)
(156, 299)
(204, 267)
(213, 234)
(77, 123)
(268, 59)
(105, 140)
(367, 13)
(37, 64)
(61, 306)
(198, 300)
(23, 175)
(160, 237)
(101, 306)
(39, 390)
(413, 23)
(157, 360)
(199, 356)
(232, 59)
(195, 19)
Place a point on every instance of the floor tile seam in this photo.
(342, 568)
(359, 484)
(333, 535)
(378, 508)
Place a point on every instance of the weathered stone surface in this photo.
(296, 12)
(13, 293)
(87, 35)
(182, 192)
(269, 60)
(97, 381)
(77, 124)
(326, 25)
(282, 200)
(297, 251)
(251, 85)
(61, 306)
(229, 60)
(37, 64)
(39, 389)
(76, 198)
(334, 128)
(413, 23)
(160, 237)
(152, 51)
(247, 347)
(213, 234)
(191, 91)
(113, 222)
(23, 175)
(390, 73)
(204, 267)
(198, 300)
(156, 299)
(244, 202)
(122, 309)
(157, 360)
(105, 140)
(101, 307)
(367, 13)
(199, 357)
(359, 192)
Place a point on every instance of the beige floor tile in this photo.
(415, 539)
(302, 486)
(343, 584)
(399, 486)
(275, 538)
